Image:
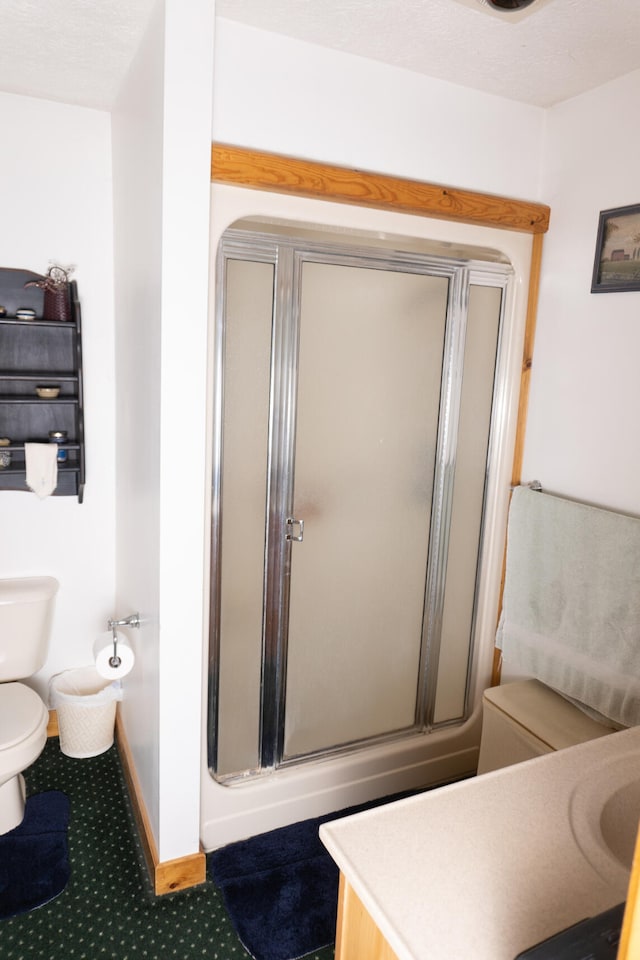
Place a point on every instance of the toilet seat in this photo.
(22, 714)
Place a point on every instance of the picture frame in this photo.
(616, 267)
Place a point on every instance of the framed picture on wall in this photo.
(617, 262)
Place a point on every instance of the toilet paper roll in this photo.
(103, 652)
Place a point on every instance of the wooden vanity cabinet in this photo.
(357, 935)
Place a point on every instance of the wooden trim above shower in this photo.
(321, 181)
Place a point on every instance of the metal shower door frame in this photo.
(288, 255)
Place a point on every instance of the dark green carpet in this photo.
(107, 911)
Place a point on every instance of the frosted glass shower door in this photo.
(241, 524)
(357, 412)
(369, 381)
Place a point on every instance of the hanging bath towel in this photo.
(571, 605)
(41, 467)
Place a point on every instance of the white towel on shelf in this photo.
(41, 462)
(571, 604)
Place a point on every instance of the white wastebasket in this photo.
(86, 707)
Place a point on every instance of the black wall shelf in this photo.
(34, 353)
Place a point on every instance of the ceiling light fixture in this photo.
(507, 5)
(509, 11)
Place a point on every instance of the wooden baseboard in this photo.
(52, 726)
(171, 875)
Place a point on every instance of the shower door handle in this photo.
(290, 522)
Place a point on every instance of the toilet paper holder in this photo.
(132, 621)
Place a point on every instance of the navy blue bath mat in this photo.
(281, 887)
(34, 860)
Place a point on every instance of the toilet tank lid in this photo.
(28, 589)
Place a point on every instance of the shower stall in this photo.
(362, 385)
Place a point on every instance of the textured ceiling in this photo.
(78, 51)
(561, 48)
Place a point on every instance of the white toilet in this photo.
(526, 719)
(26, 611)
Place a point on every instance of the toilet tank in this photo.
(26, 612)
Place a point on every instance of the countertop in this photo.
(485, 868)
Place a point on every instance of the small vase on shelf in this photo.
(55, 283)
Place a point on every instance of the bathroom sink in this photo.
(619, 822)
(605, 813)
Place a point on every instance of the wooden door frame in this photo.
(276, 173)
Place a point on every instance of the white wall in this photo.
(585, 389)
(289, 97)
(162, 146)
(189, 44)
(137, 172)
(55, 197)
